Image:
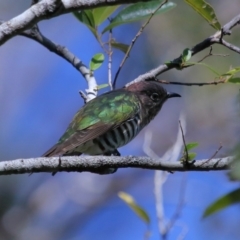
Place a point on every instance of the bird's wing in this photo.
(77, 138)
(95, 118)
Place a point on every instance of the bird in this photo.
(111, 120)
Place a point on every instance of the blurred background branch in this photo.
(160, 177)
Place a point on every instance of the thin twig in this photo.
(133, 41)
(193, 84)
(208, 55)
(184, 142)
(214, 155)
(212, 54)
(101, 43)
(110, 52)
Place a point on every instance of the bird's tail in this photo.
(57, 150)
(53, 151)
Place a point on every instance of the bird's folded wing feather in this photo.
(93, 121)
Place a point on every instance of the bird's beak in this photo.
(171, 95)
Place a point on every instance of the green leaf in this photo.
(120, 46)
(96, 61)
(232, 71)
(186, 55)
(191, 156)
(229, 75)
(234, 173)
(128, 199)
(223, 202)
(102, 13)
(234, 80)
(191, 145)
(206, 11)
(137, 12)
(86, 17)
(102, 86)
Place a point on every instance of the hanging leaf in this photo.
(96, 61)
(223, 202)
(100, 14)
(234, 173)
(232, 71)
(234, 80)
(120, 46)
(137, 12)
(102, 86)
(86, 17)
(186, 55)
(229, 76)
(191, 145)
(191, 156)
(206, 11)
(128, 199)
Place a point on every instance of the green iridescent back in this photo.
(109, 109)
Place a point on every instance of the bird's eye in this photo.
(155, 97)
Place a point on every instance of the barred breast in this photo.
(113, 139)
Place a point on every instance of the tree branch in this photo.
(216, 38)
(51, 8)
(90, 163)
(134, 40)
(47, 9)
(35, 34)
(193, 84)
(228, 45)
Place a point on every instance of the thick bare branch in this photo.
(46, 9)
(228, 45)
(89, 164)
(35, 34)
(226, 30)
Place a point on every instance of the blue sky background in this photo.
(39, 96)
